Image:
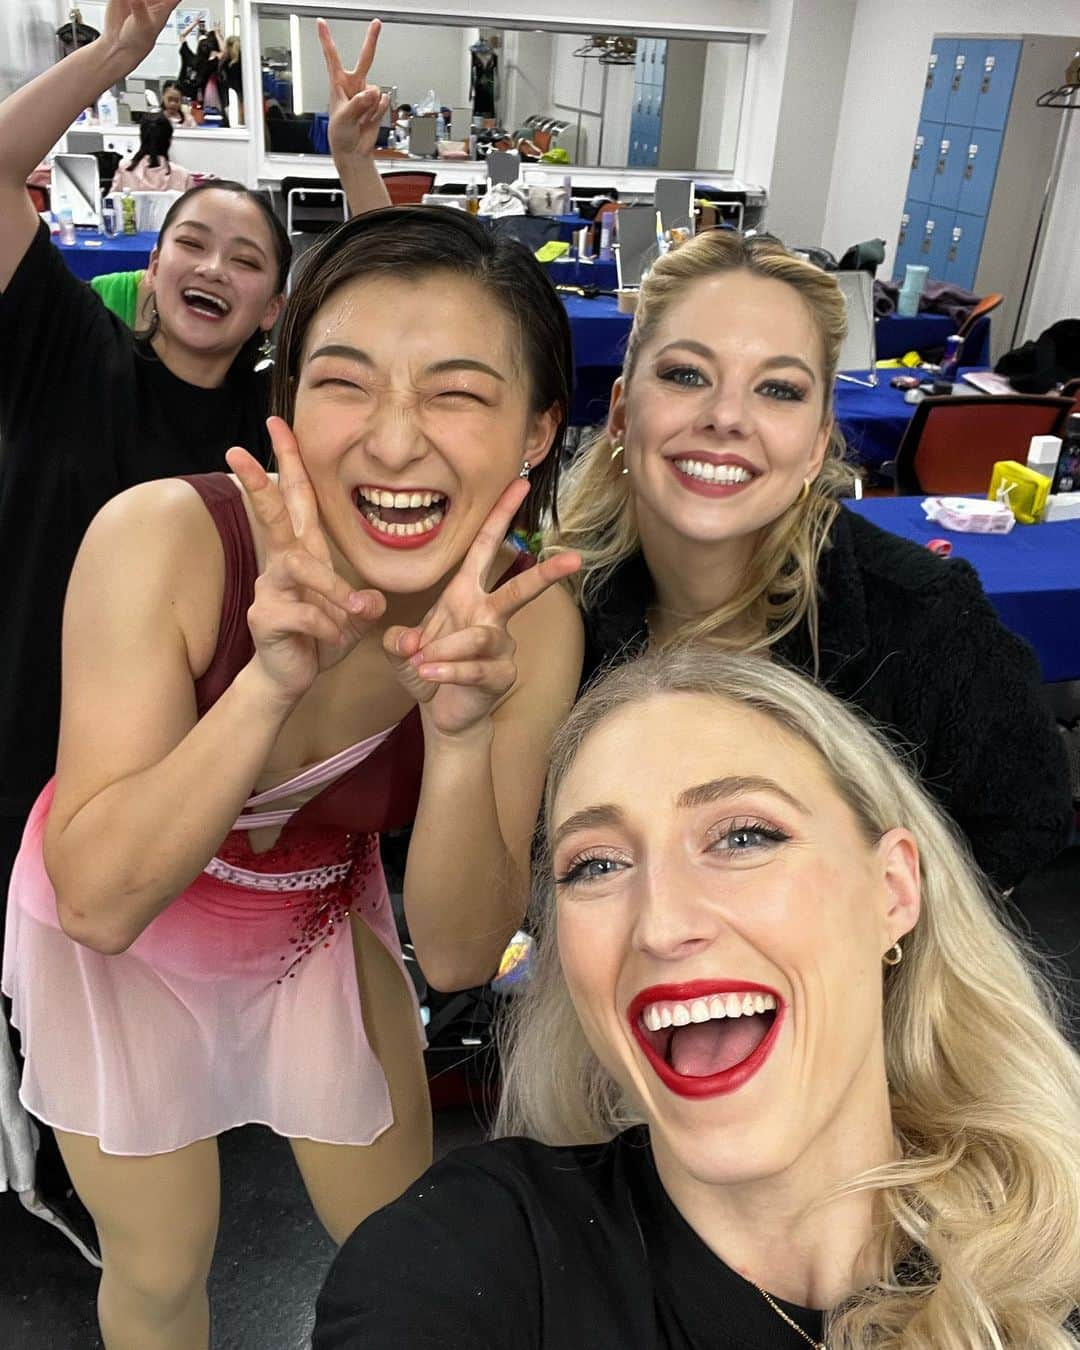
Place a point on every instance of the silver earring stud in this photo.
(525, 469)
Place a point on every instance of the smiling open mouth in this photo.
(710, 478)
(706, 1039)
(205, 303)
(403, 519)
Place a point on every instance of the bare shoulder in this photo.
(156, 544)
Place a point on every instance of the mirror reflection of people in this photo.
(261, 674)
(232, 71)
(709, 510)
(89, 407)
(150, 169)
(172, 105)
(781, 1076)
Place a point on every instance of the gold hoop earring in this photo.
(894, 955)
(804, 492)
(616, 452)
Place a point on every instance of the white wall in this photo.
(818, 48)
(766, 71)
(524, 75)
(27, 41)
(1055, 293)
(883, 96)
(725, 72)
(415, 57)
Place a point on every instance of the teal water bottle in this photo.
(907, 303)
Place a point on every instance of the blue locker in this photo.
(996, 79)
(939, 71)
(924, 160)
(980, 162)
(966, 80)
(909, 236)
(948, 165)
(933, 244)
(964, 247)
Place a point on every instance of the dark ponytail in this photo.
(155, 138)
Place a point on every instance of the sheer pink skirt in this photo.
(237, 1004)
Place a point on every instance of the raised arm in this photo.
(34, 118)
(356, 108)
(495, 674)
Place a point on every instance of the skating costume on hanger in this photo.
(485, 68)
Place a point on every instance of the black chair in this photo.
(313, 205)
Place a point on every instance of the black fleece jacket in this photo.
(912, 640)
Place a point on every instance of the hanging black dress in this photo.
(485, 66)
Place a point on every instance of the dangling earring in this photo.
(266, 347)
(616, 452)
(894, 955)
(525, 468)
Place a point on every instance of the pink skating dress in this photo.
(239, 1002)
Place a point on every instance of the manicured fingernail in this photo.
(417, 660)
(357, 602)
(429, 672)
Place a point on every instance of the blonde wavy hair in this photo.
(596, 505)
(985, 1089)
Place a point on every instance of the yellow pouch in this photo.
(1022, 490)
(554, 248)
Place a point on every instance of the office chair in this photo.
(408, 187)
(952, 443)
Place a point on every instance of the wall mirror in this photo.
(598, 99)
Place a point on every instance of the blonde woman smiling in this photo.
(784, 1076)
(709, 510)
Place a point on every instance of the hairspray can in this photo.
(950, 362)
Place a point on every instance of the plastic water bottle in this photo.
(440, 128)
(907, 302)
(472, 199)
(67, 226)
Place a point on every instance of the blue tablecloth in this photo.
(873, 420)
(93, 254)
(897, 334)
(1032, 575)
(599, 333)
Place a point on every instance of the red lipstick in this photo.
(715, 1084)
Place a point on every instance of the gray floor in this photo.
(270, 1261)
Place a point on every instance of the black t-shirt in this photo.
(86, 410)
(517, 1246)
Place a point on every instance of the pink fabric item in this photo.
(237, 1004)
(162, 177)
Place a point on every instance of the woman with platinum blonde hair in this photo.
(783, 1075)
(708, 509)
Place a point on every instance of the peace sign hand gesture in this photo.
(356, 107)
(131, 27)
(460, 662)
(304, 618)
